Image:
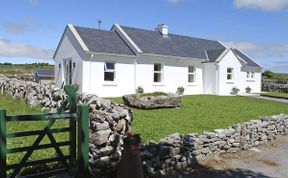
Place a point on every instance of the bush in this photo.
(139, 90)
(235, 91)
(180, 90)
(268, 74)
(248, 89)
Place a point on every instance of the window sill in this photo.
(158, 84)
(230, 82)
(250, 80)
(109, 84)
(192, 84)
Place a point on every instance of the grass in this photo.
(18, 106)
(22, 68)
(201, 113)
(276, 95)
(280, 76)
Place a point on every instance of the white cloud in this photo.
(174, 1)
(21, 27)
(272, 5)
(260, 51)
(13, 49)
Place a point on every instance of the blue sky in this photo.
(31, 29)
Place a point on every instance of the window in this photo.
(157, 73)
(229, 73)
(191, 74)
(250, 75)
(109, 71)
(59, 66)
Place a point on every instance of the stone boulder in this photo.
(153, 102)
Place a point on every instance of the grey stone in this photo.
(152, 102)
(99, 137)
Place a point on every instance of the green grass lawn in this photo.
(201, 113)
(276, 94)
(18, 106)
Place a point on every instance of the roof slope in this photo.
(45, 72)
(152, 42)
(103, 41)
(214, 54)
(247, 59)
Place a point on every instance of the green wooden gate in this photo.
(76, 119)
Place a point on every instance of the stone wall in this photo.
(274, 85)
(25, 77)
(177, 152)
(109, 121)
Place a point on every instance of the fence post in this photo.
(83, 140)
(3, 143)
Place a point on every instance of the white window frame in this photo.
(192, 73)
(68, 73)
(230, 73)
(106, 70)
(158, 72)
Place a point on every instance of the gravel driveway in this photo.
(270, 160)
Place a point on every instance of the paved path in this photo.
(266, 161)
(267, 98)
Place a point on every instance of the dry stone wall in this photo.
(273, 85)
(178, 152)
(109, 121)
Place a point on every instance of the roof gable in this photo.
(249, 62)
(103, 41)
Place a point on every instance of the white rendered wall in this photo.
(175, 74)
(69, 48)
(210, 78)
(93, 76)
(239, 76)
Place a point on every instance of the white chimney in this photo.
(163, 29)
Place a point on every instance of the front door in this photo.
(68, 73)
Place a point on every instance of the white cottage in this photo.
(114, 63)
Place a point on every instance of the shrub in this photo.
(268, 74)
(180, 90)
(248, 89)
(235, 91)
(139, 90)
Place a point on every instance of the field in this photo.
(201, 113)
(7, 68)
(17, 106)
(276, 95)
(280, 76)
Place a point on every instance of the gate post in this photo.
(3, 144)
(83, 140)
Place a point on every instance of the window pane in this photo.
(157, 67)
(191, 78)
(229, 70)
(229, 76)
(248, 74)
(157, 77)
(191, 69)
(110, 66)
(109, 76)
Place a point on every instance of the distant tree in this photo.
(7, 64)
(268, 74)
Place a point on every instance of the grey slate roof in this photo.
(174, 45)
(103, 41)
(248, 60)
(214, 54)
(45, 72)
